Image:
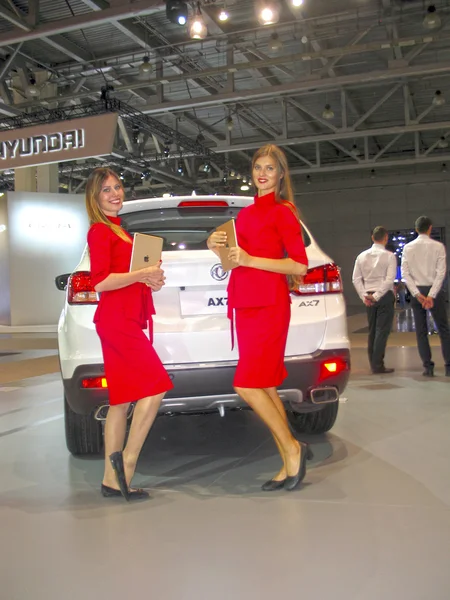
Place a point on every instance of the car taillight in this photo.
(80, 289)
(325, 279)
(201, 203)
(332, 367)
(94, 382)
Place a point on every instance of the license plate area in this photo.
(203, 302)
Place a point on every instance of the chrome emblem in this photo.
(218, 273)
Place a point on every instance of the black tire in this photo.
(319, 421)
(84, 435)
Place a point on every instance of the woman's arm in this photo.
(285, 266)
(116, 281)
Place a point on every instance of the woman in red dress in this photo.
(133, 370)
(270, 259)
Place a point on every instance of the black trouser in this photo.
(439, 314)
(380, 317)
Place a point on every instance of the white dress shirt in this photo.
(375, 271)
(424, 263)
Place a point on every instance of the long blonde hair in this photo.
(93, 188)
(284, 193)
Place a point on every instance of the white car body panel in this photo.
(186, 329)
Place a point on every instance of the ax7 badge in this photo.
(309, 303)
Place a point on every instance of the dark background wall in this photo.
(342, 214)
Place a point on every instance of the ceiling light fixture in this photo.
(33, 89)
(355, 150)
(245, 187)
(444, 168)
(297, 3)
(177, 12)
(230, 124)
(443, 143)
(223, 15)
(268, 14)
(439, 98)
(198, 29)
(432, 19)
(275, 43)
(328, 112)
(145, 67)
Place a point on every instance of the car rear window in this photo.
(182, 229)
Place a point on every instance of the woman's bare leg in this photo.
(145, 412)
(273, 393)
(264, 406)
(115, 430)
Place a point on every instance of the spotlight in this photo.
(166, 150)
(177, 12)
(198, 29)
(33, 90)
(180, 169)
(308, 180)
(443, 143)
(439, 98)
(268, 14)
(297, 3)
(223, 15)
(205, 167)
(432, 19)
(304, 39)
(328, 112)
(373, 174)
(232, 173)
(245, 187)
(444, 168)
(355, 150)
(145, 66)
(275, 43)
(230, 124)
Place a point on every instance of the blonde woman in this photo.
(133, 370)
(270, 259)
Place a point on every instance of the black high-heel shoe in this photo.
(272, 485)
(292, 481)
(109, 492)
(117, 464)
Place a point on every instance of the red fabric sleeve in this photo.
(99, 242)
(290, 232)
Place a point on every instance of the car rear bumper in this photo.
(194, 384)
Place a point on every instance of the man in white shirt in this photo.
(373, 277)
(424, 268)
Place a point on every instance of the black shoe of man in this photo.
(382, 371)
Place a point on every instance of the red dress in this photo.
(133, 370)
(259, 299)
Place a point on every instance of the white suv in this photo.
(192, 331)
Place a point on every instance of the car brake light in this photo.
(332, 367)
(325, 279)
(94, 382)
(197, 203)
(80, 289)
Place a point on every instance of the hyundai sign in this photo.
(58, 142)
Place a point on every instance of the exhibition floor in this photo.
(371, 521)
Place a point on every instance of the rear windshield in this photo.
(182, 229)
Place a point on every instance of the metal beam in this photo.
(68, 48)
(126, 137)
(405, 162)
(92, 19)
(312, 114)
(33, 12)
(13, 17)
(340, 135)
(386, 148)
(8, 63)
(377, 105)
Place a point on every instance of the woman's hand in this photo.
(153, 275)
(217, 239)
(240, 257)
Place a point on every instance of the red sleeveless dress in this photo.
(133, 370)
